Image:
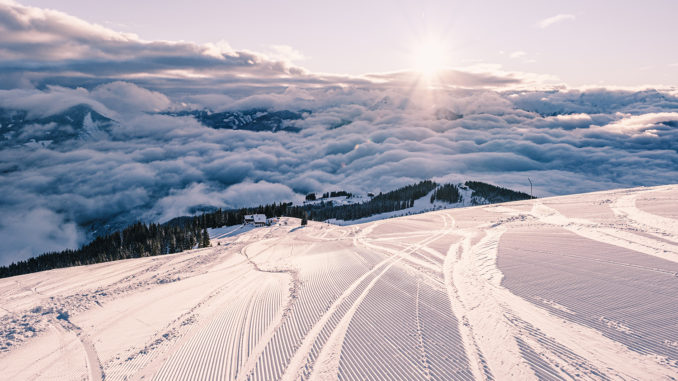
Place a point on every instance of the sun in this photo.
(430, 57)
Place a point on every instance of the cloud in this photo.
(42, 47)
(203, 197)
(124, 97)
(62, 183)
(115, 100)
(491, 77)
(285, 53)
(643, 124)
(153, 167)
(517, 54)
(53, 100)
(41, 44)
(549, 21)
(39, 230)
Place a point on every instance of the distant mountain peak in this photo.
(77, 122)
(252, 120)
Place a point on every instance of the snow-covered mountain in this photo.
(82, 122)
(19, 127)
(470, 193)
(251, 120)
(573, 287)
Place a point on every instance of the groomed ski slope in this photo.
(574, 287)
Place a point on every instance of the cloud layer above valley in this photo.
(360, 134)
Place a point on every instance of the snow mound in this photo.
(574, 287)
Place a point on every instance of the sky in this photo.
(576, 96)
(599, 42)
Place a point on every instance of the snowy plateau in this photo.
(574, 287)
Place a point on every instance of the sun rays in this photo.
(430, 57)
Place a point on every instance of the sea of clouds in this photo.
(361, 134)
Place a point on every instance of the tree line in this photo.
(448, 193)
(135, 241)
(494, 194)
(401, 198)
(185, 233)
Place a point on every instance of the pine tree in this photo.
(205, 239)
(304, 220)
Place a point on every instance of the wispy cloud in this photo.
(518, 54)
(549, 21)
(285, 53)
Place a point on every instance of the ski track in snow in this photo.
(451, 294)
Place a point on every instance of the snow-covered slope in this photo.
(421, 205)
(575, 287)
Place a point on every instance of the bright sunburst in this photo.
(430, 56)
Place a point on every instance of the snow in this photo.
(228, 231)
(339, 200)
(573, 287)
(421, 205)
